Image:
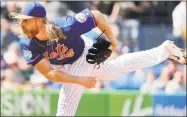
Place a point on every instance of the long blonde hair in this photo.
(53, 31)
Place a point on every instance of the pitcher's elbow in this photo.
(51, 75)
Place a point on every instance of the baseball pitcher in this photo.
(59, 52)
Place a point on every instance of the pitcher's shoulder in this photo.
(64, 21)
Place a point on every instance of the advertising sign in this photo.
(169, 105)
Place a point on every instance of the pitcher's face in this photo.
(29, 27)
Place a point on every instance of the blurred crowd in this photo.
(124, 19)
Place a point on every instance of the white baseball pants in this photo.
(70, 94)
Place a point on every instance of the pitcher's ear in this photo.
(40, 21)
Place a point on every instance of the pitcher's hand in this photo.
(87, 82)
